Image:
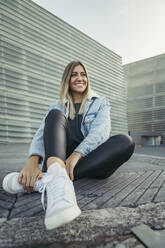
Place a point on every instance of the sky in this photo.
(134, 29)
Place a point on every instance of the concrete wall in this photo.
(35, 47)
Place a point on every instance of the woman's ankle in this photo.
(52, 160)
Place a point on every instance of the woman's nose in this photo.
(79, 77)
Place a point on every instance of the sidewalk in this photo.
(111, 207)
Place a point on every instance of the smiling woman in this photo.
(75, 86)
(78, 83)
(72, 142)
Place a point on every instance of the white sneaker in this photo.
(11, 185)
(62, 205)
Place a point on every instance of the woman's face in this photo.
(78, 80)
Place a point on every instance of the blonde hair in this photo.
(65, 92)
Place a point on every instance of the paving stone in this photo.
(149, 237)
(161, 194)
(5, 197)
(4, 213)
(27, 204)
(92, 185)
(151, 193)
(34, 209)
(126, 191)
(108, 192)
(135, 193)
(7, 201)
(6, 204)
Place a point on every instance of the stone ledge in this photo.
(147, 158)
(93, 228)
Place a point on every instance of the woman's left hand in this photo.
(71, 163)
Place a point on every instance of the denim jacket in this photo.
(95, 126)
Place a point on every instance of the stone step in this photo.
(111, 227)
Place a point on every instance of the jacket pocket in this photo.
(89, 118)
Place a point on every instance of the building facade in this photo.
(146, 100)
(35, 47)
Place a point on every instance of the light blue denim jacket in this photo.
(95, 126)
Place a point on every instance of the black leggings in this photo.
(100, 163)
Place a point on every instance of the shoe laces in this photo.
(54, 187)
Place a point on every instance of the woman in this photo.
(72, 142)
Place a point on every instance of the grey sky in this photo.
(134, 29)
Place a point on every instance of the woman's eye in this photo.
(82, 75)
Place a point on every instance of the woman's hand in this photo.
(29, 174)
(71, 163)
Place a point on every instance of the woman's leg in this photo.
(106, 158)
(61, 199)
(55, 138)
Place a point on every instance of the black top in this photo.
(75, 126)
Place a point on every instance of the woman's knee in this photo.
(55, 114)
(126, 141)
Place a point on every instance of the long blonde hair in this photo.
(65, 92)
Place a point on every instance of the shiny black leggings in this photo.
(100, 163)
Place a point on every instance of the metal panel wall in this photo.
(146, 95)
(35, 47)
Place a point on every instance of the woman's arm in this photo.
(99, 131)
(71, 163)
(30, 173)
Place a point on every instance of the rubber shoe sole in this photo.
(6, 179)
(61, 218)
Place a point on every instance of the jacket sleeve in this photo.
(99, 131)
(37, 144)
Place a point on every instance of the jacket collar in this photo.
(92, 94)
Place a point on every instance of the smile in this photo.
(79, 84)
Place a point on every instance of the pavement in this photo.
(111, 208)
